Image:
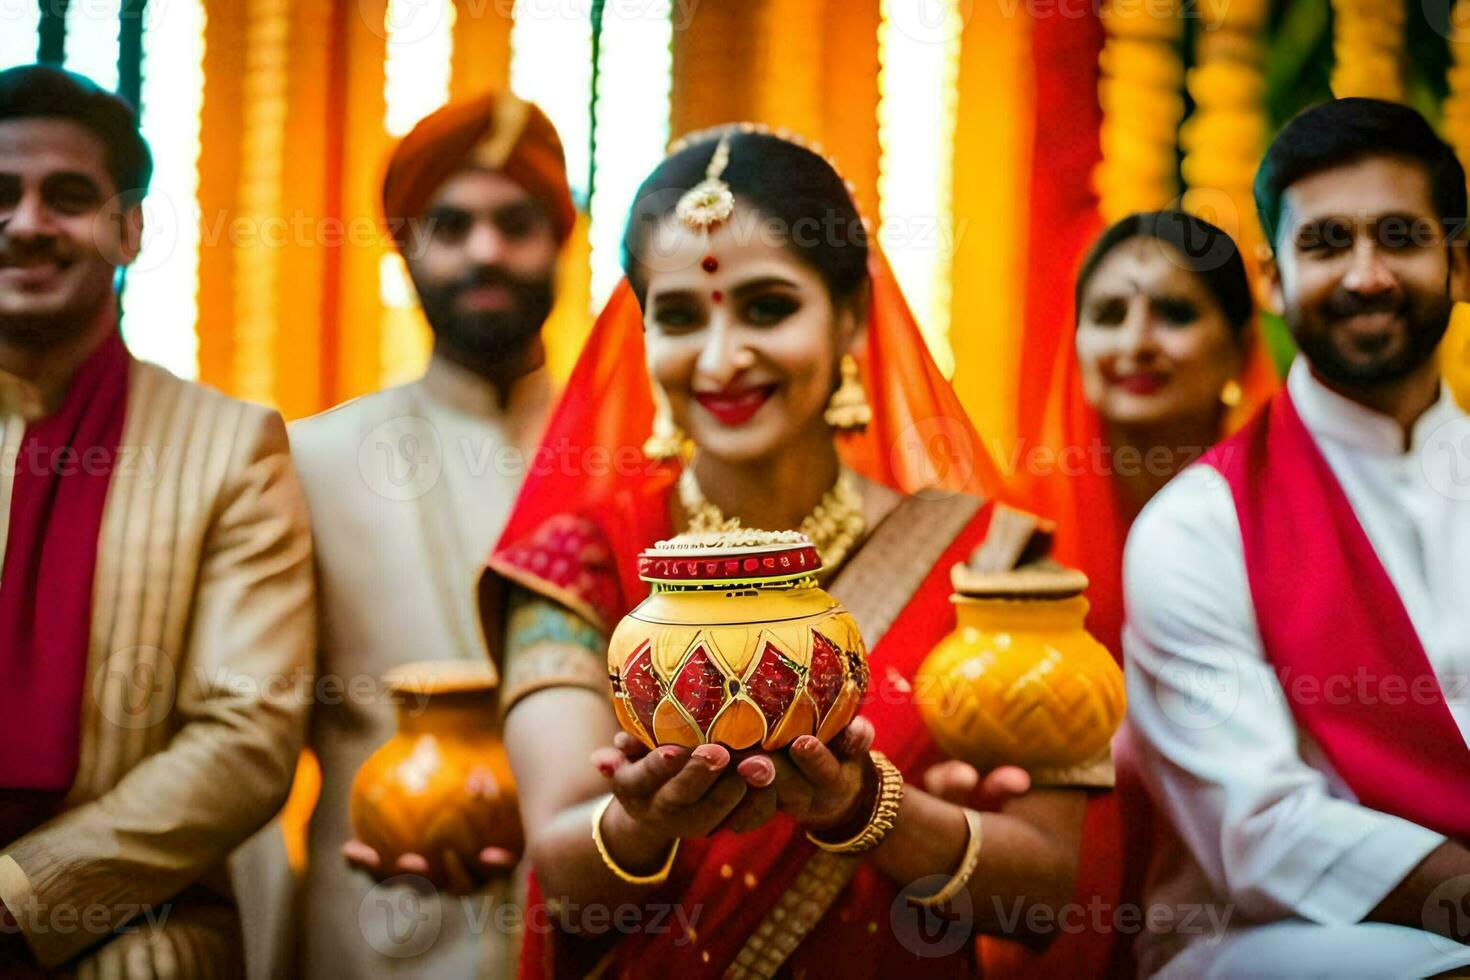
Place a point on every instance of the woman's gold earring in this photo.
(1231, 394)
(849, 408)
(667, 439)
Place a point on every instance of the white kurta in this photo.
(409, 489)
(1269, 832)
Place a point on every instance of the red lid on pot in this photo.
(730, 558)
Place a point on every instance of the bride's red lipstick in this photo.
(734, 406)
(1141, 383)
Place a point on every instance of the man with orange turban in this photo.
(408, 490)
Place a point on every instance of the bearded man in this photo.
(1298, 635)
(409, 489)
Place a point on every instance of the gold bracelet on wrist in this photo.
(961, 878)
(657, 878)
(880, 822)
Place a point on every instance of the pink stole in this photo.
(1330, 617)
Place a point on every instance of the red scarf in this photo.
(61, 479)
(1327, 610)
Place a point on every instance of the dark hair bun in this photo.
(797, 197)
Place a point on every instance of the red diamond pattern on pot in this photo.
(644, 690)
(700, 687)
(772, 684)
(825, 682)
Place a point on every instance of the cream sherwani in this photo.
(409, 489)
(194, 706)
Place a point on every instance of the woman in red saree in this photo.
(1166, 361)
(757, 307)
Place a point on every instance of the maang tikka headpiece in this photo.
(701, 207)
(710, 201)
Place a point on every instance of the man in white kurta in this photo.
(409, 489)
(1289, 873)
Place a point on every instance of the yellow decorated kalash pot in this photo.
(735, 644)
(442, 786)
(1020, 681)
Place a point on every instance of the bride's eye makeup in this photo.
(767, 300)
(769, 309)
(674, 312)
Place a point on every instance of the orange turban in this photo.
(497, 131)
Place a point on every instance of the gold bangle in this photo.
(961, 878)
(657, 878)
(885, 812)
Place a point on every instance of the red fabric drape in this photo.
(1063, 220)
(1063, 204)
(62, 475)
(1081, 496)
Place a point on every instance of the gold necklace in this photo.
(833, 527)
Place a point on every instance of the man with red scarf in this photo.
(409, 488)
(1298, 636)
(156, 596)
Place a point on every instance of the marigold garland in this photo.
(1142, 73)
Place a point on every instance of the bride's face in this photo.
(742, 336)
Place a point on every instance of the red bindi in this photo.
(716, 295)
(710, 263)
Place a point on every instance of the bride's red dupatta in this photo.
(594, 501)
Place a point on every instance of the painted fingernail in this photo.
(710, 756)
(605, 767)
(806, 745)
(670, 752)
(762, 772)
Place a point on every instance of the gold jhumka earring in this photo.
(849, 408)
(667, 439)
